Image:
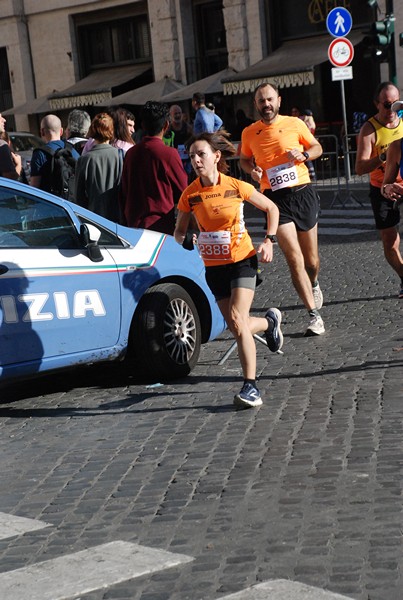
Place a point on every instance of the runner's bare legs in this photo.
(301, 253)
(235, 311)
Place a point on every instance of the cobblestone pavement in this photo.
(307, 488)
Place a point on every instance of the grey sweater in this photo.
(97, 181)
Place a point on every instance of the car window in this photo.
(31, 222)
(23, 143)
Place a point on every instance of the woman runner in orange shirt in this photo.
(216, 202)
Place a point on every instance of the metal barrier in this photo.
(349, 142)
(327, 166)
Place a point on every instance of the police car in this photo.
(76, 289)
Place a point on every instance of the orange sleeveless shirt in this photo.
(384, 136)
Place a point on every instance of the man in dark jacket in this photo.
(10, 163)
(153, 177)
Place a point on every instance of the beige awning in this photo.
(96, 87)
(36, 106)
(152, 91)
(209, 85)
(291, 65)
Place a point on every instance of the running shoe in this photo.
(274, 336)
(315, 327)
(248, 397)
(317, 296)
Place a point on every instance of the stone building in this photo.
(56, 55)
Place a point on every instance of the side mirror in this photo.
(89, 236)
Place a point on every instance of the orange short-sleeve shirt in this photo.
(220, 208)
(269, 144)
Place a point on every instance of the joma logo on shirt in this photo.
(208, 196)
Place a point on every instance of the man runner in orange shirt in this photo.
(274, 152)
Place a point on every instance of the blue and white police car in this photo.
(77, 289)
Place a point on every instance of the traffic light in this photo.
(382, 31)
(379, 38)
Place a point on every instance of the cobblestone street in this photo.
(308, 488)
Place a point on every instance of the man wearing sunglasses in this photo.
(373, 141)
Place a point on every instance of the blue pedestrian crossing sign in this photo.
(339, 22)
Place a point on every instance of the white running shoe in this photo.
(315, 327)
(317, 296)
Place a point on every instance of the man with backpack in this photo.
(53, 165)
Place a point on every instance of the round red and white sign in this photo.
(340, 52)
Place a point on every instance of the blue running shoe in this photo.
(274, 336)
(248, 397)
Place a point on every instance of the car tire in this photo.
(165, 336)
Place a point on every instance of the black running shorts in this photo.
(298, 205)
(385, 212)
(223, 278)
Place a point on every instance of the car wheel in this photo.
(165, 337)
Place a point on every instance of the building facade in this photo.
(56, 55)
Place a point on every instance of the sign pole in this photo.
(341, 52)
(346, 142)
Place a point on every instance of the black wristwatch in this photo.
(306, 155)
(271, 237)
(382, 157)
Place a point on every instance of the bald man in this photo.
(375, 137)
(181, 129)
(51, 133)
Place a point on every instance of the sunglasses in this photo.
(387, 105)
